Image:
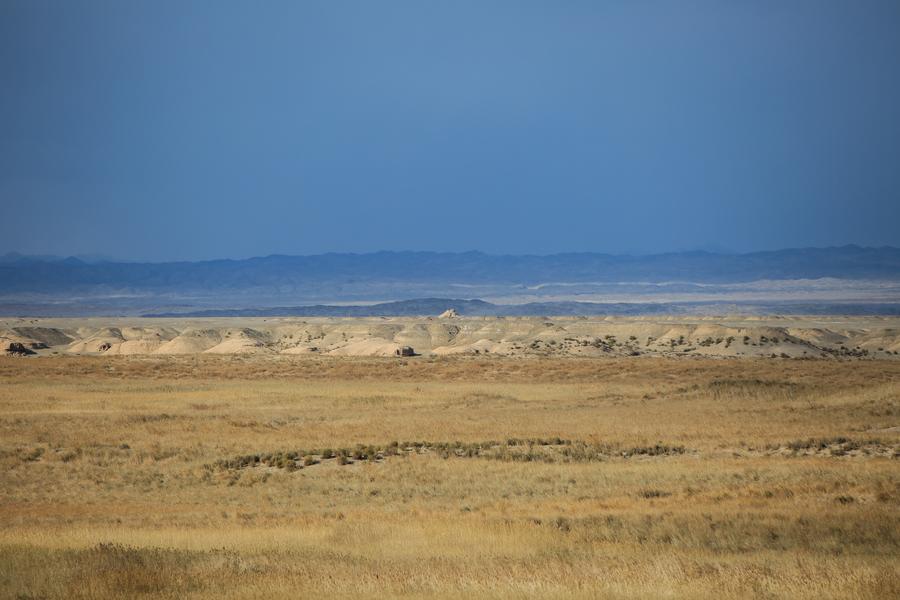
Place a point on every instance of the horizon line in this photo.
(94, 259)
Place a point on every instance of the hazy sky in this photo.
(183, 130)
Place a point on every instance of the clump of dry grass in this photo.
(513, 449)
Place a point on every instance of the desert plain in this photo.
(710, 457)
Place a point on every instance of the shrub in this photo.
(653, 494)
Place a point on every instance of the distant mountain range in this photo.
(51, 275)
(406, 283)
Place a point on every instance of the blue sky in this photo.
(185, 130)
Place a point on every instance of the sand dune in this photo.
(810, 337)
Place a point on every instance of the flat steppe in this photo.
(542, 475)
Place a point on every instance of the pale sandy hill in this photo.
(875, 340)
(481, 346)
(191, 341)
(128, 347)
(422, 336)
(735, 336)
(300, 349)
(237, 346)
(241, 341)
(367, 347)
(101, 340)
(818, 336)
(143, 340)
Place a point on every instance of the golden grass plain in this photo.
(785, 482)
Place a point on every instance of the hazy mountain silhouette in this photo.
(52, 275)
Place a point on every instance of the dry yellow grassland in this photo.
(286, 477)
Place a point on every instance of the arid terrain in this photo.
(449, 300)
(542, 474)
(739, 336)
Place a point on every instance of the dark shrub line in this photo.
(550, 450)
